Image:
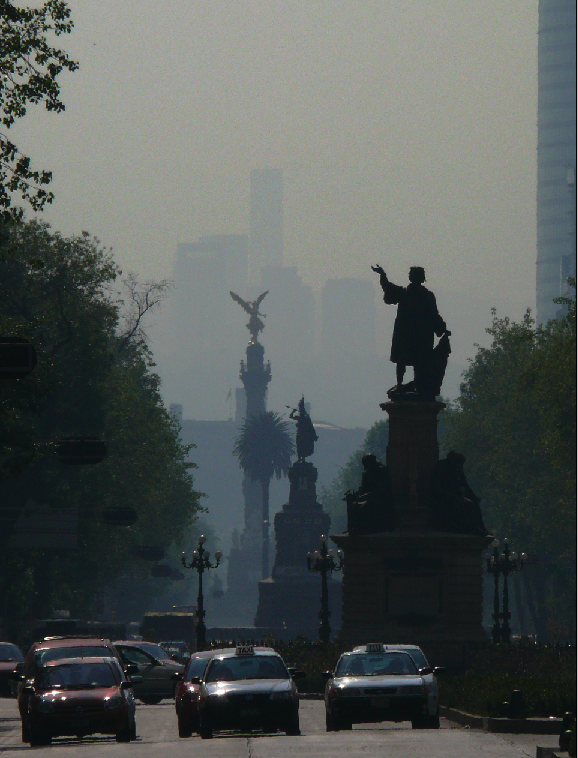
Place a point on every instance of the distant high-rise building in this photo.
(348, 317)
(204, 273)
(556, 180)
(266, 222)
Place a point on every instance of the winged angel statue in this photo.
(255, 324)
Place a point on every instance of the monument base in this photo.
(416, 588)
(294, 604)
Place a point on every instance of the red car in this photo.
(10, 657)
(187, 692)
(79, 696)
(57, 648)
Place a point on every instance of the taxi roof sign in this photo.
(244, 650)
(374, 647)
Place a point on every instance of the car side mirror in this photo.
(439, 670)
(299, 675)
(425, 671)
(135, 680)
(195, 680)
(176, 677)
(327, 675)
(28, 689)
(16, 676)
(131, 668)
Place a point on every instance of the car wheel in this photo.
(205, 729)
(292, 726)
(124, 734)
(38, 737)
(150, 699)
(133, 730)
(421, 722)
(185, 729)
(25, 732)
(329, 722)
(345, 725)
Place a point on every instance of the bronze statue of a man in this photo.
(416, 323)
(306, 435)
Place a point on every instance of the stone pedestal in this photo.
(290, 598)
(413, 585)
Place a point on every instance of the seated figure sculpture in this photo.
(370, 510)
(455, 507)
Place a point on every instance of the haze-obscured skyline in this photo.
(406, 134)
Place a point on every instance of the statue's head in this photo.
(369, 460)
(456, 460)
(416, 275)
(301, 404)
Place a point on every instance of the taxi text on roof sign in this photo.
(245, 650)
(374, 647)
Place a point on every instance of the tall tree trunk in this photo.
(265, 534)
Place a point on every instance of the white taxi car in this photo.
(376, 683)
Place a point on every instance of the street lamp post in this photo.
(200, 563)
(502, 564)
(323, 562)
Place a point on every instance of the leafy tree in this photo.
(94, 376)
(515, 422)
(264, 448)
(29, 68)
(349, 475)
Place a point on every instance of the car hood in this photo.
(98, 694)
(369, 682)
(250, 686)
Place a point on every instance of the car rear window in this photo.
(10, 653)
(72, 676)
(375, 664)
(61, 653)
(252, 667)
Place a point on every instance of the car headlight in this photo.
(219, 697)
(280, 696)
(112, 703)
(350, 692)
(45, 706)
(413, 689)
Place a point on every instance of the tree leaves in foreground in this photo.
(90, 380)
(515, 422)
(29, 68)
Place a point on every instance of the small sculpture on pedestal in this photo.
(416, 323)
(455, 507)
(371, 510)
(306, 436)
(255, 324)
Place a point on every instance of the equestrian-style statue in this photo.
(416, 323)
(306, 434)
(255, 324)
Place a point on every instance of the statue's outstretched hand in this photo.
(377, 268)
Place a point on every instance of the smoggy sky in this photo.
(406, 132)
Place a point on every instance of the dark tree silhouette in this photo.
(264, 448)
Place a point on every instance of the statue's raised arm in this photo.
(416, 324)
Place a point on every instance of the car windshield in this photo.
(73, 676)
(10, 653)
(250, 667)
(155, 650)
(418, 657)
(61, 653)
(375, 664)
(196, 667)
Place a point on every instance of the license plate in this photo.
(249, 713)
(80, 725)
(380, 702)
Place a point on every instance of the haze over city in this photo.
(406, 134)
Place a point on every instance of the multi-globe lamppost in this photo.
(323, 562)
(200, 563)
(502, 564)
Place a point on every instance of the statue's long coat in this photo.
(416, 322)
